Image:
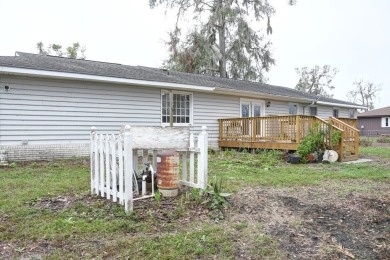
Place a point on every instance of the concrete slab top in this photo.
(358, 161)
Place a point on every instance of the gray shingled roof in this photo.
(384, 111)
(87, 67)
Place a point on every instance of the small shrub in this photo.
(383, 139)
(13, 165)
(157, 196)
(217, 199)
(211, 151)
(365, 142)
(313, 141)
(269, 158)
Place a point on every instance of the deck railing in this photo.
(349, 121)
(350, 136)
(285, 132)
(291, 128)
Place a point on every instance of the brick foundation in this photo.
(44, 152)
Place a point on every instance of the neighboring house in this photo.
(374, 122)
(48, 104)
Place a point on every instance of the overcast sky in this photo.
(352, 35)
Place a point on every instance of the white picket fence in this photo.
(114, 159)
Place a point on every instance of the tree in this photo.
(224, 40)
(365, 93)
(75, 51)
(317, 81)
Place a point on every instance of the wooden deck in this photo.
(286, 132)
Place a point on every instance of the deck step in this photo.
(348, 158)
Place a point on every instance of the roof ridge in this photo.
(65, 58)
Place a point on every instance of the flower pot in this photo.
(295, 159)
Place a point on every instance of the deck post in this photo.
(341, 149)
(298, 129)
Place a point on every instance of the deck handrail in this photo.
(350, 135)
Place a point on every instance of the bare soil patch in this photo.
(324, 222)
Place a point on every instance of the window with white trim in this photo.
(385, 121)
(293, 109)
(313, 111)
(181, 107)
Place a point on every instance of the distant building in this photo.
(375, 122)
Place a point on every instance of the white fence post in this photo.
(91, 146)
(202, 158)
(96, 154)
(192, 157)
(128, 161)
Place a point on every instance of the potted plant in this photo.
(295, 158)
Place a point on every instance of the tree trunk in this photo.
(221, 34)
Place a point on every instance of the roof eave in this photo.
(340, 105)
(86, 77)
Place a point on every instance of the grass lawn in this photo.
(46, 210)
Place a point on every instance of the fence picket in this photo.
(120, 157)
(113, 168)
(192, 157)
(184, 163)
(101, 165)
(108, 177)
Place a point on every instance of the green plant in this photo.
(383, 139)
(157, 196)
(335, 138)
(217, 197)
(13, 165)
(365, 142)
(313, 141)
(196, 196)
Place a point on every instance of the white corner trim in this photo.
(339, 105)
(77, 76)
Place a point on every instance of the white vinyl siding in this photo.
(278, 108)
(55, 112)
(208, 108)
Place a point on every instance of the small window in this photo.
(313, 111)
(181, 108)
(293, 109)
(385, 122)
(335, 112)
(352, 113)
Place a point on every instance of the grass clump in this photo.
(383, 139)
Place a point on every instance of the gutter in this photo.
(78, 76)
(339, 105)
(252, 94)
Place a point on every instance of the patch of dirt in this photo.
(320, 222)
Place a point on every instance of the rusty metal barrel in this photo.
(168, 173)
